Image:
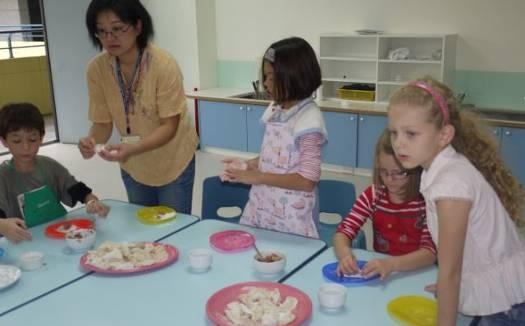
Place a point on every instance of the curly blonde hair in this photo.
(472, 139)
(384, 145)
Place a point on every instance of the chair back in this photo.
(337, 197)
(217, 194)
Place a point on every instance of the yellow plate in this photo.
(156, 214)
(413, 311)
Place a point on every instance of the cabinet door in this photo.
(222, 125)
(255, 127)
(342, 138)
(369, 129)
(512, 151)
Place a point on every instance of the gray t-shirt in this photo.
(48, 171)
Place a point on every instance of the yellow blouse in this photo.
(158, 93)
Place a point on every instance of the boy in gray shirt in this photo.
(32, 187)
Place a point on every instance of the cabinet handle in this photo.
(352, 118)
(241, 108)
(248, 108)
(508, 133)
(495, 132)
(361, 119)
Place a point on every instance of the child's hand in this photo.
(253, 164)
(383, 267)
(432, 288)
(14, 229)
(86, 145)
(249, 177)
(96, 207)
(347, 265)
(230, 164)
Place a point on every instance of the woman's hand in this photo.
(94, 206)
(86, 145)
(116, 152)
(14, 229)
(347, 265)
(383, 267)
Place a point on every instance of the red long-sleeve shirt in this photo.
(398, 228)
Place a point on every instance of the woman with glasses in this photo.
(397, 211)
(138, 88)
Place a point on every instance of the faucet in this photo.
(255, 85)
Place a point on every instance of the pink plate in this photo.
(231, 241)
(172, 257)
(219, 300)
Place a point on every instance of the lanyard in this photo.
(126, 92)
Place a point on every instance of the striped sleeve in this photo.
(310, 156)
(426, 239)
(361, 211)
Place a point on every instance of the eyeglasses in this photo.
(396, 175)
(115, 32)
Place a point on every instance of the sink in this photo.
(253, 96)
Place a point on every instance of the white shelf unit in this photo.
(351, 58)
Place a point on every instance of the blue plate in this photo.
(329, 273)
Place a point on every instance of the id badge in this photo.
(130, 139)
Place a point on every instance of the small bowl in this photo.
(200, 259)
(31, 260)
(332, 296)
(80, 240)
(274, 263)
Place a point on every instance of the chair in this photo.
(337, 197)
(217, 194)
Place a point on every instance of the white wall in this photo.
(490, 32)
(69, 52)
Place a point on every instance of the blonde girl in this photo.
(397, 210)
(473, 203)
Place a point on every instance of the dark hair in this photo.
(296, 71)
(17, 116)
(129, 11)
(384, 145)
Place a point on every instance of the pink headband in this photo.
(438, 98)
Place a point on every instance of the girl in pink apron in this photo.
(284, 176)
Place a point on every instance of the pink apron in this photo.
(276, 208)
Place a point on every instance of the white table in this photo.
(169, 296)
(62, 268)
(366, 304)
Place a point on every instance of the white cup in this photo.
(332, 296)
(200, 259)
(31, 260)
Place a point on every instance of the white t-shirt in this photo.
(493, 275)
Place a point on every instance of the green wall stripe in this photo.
(492, 89)
(486, 89)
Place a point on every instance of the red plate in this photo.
(231, 241)
(57, 230)
(219, 300)
(172, 257)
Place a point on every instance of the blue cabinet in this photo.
(231, 126)
(255, 128)
(369, 129)
(341, 147)
(512, 145)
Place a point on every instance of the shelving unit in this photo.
(352, 58)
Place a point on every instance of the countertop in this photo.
(493, 116)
